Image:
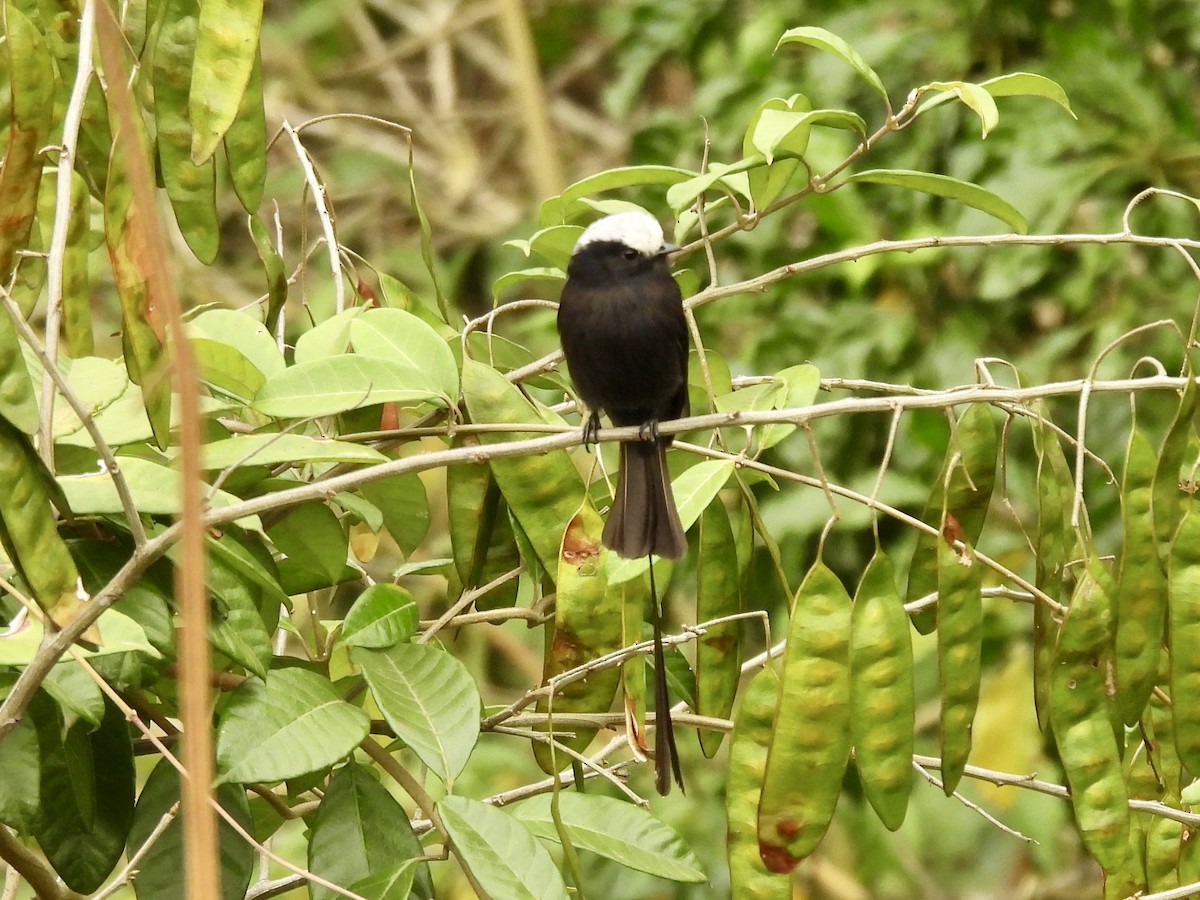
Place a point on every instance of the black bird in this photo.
(625, 339)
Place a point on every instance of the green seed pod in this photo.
(226, 50)
(749, 879)
(544, 492)
(481, 537)
(881, 692)
(1163, 846)
(246, 143)
(1170, 461)
(31, 82)
(1054, 547)
(1079, 718)
(1141, 595)
(17, 403)
(965, 494)
(959, 644)
(718, 594)
(1183, 580)
(587, 625)
(29, 529)
(811, 746)
(191, 187)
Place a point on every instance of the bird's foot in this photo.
(649, 430)
(591, 429)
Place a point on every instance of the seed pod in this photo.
(718, 651)
(965, 494)
(587, 625)
(1183, 580)
(959, 643)
(226, 49)
(191, 187)
(29, 530)
(881, 692)
(1053, 547)
(544, 492)
(17, 403)
(31, 82)
(1163, 845)
(1082, 728)
(481, 537)
(1170, 460)
(246, 143)
(811, 746)
(749, 879)
(1141, 596)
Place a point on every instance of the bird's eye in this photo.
(629, 253)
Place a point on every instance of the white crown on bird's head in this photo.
(635, 229)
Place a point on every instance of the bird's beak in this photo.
(667, 248)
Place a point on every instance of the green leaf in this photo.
(621, 831)
(287, 726)
(20, 768)
(945, 186)
(1027, 84)
(120, 634)
(555, 244)
(87, 788)
(398, 335)
(500, 852)
(394, 883)
(430, 700)
(313, 541)
(98, 383)
(831, 43)
(339, 383)
(226, 369)
(785, 132)
(75, 691)
(801, 384)
(237, 628)
(972, 95)
(556, 210)
(549, 274)
(359, 835)
(682, 195)
(383, 615)
(328, 338)
(158, 870)
(156, 490)
(405, 507)
(274, 449)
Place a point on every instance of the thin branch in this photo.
(56, 258)
(33, 868)
(54, 373)
(318, 193)
(127, 872)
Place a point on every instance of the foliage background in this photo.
(644, 82)
(637, 82)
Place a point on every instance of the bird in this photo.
(625, 340)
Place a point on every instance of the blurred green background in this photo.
(649, 82)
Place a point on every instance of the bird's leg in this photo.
(648, 430)
(591, 428)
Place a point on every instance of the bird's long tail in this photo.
(643, 520)
(666, 756)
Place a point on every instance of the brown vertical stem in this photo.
(201, 863)
(545, 169)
